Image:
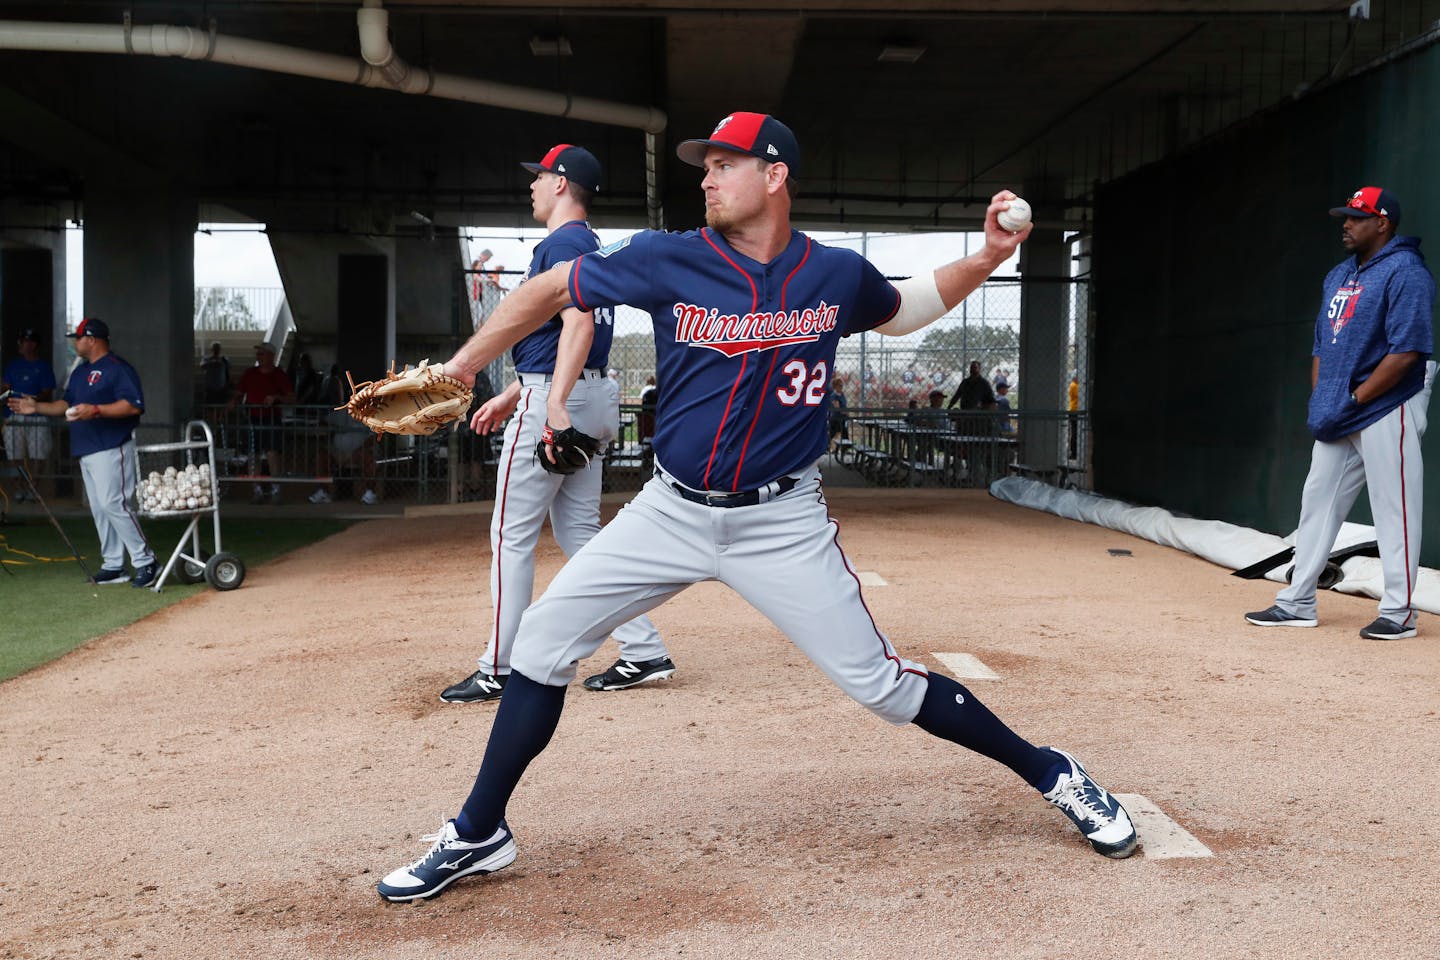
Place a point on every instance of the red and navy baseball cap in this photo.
(1370, 202)
(91, 327)
(575, 164)
(757, 134)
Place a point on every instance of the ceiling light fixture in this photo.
(550, 46)
(896, 53)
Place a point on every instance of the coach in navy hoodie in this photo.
(1370, 386)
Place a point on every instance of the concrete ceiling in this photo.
(1042, 95)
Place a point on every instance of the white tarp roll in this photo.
(1221, 543)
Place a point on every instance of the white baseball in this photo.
(71, 413)
(1016, 217)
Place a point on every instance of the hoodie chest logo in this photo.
(1342, 306)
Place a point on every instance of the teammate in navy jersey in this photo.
(1370, 380)
(103, 403)
(27, 439)
(747, 314)
(559, 380)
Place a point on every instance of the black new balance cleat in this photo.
(1385, 629)
(104, 577)
(448, 859)
(1091, 808)
(476, 688)
(623, 674)
(146, 575)
(1275, 617)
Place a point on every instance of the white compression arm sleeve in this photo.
(920, 306)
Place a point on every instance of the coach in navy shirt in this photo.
(1370, 378)
(103, 403)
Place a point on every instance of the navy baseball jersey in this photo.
(536, 353)
(104, 381)
(28, 378)
(744, 351)
(1383, 306)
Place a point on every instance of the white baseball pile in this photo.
(187, 489)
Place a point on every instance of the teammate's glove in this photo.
(414, 401)
(572, 449)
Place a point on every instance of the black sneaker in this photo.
(1383, 629)
(477, 687)
(623, 674)
(1275, 617)
(103, 576)
(145, 575)
(448, 859)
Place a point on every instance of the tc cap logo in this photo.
(757, 134)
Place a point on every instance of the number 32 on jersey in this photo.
(806, 383)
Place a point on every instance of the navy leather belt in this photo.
(742, 498)
(526, 378)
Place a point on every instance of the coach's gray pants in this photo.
(1385, 458)
(109, 477)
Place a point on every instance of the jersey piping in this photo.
(720, 427)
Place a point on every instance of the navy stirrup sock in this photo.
(953, 713)
(528, 715)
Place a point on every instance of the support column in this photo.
(340, 288)
(32, 281)
(1044, 326)
(140, 278)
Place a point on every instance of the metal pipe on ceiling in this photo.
(385, 71)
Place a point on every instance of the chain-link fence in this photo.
(964, 372)
(908, 411)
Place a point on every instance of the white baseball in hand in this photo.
(1016, 217)
(71, 413)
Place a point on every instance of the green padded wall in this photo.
(1207, 283)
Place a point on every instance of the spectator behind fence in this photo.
(263, 388)
(485, 289)
(974, 392)
(1073, 406)
(307, 381)
(215, 376)
(839, 412)
(27, 437)
(351, 444)
(103, 403)
(1002, 404)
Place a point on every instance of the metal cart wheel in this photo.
(224, 571)
(189, 571)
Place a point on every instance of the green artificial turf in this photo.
(47, 608)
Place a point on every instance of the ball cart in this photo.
(179, 480)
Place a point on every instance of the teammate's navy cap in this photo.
(757, 134)
(575, 164)
(29, 333)
(91, 327)
(1370, 202)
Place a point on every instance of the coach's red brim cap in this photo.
(757, 134)
(575, 164)
(91, 327)
(1370, 202)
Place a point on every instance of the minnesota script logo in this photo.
(733, 335)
